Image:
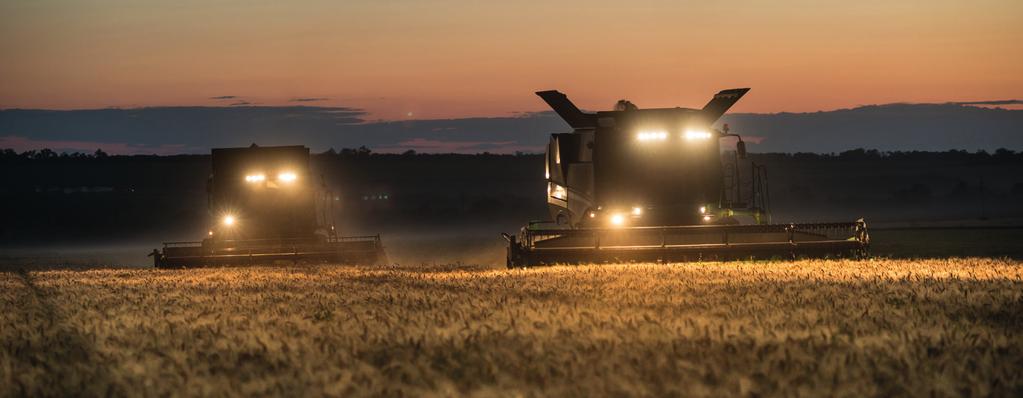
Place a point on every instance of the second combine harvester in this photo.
(652, 185)
(265, 206)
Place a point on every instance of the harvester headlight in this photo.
(706, 218)
(696, 135)
(593, 214)
(287, 176)
(228, 220)
(703, 209)
(255, 178)
(637, 211)
(558, 192)
(617, 219)
(652, 135)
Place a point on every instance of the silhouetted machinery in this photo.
(265, 206)
(653, 185)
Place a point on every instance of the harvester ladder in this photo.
(761, 198)
(731, 195)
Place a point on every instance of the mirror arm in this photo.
(740, 146)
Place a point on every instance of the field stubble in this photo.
(871, 327)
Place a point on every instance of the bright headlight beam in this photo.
(655, 135)
(692, 135)
(229, 220)
(255, 178)
(617, 219)
(286, 176)
(637, 211)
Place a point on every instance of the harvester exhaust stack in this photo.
(653, 185)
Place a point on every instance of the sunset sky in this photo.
(446, 59)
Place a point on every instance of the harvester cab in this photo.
(653, 185)
(265, 205)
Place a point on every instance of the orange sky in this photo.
(454, 59)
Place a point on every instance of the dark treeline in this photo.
(9, 155)
(96, 196)
(88, 197)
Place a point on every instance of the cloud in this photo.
(241, 103)
(992, 102)
(923, 127)
(196, 129)
(224, 97)
(750, 139)
(310, 99)
(426, 145)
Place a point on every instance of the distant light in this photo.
(703, 209)
(592, 214)
(255, 178)
(210, 233)
(706, 218)
(617, 219)
(286, 176)
(637, 211)
(656, 135)
(229, 220)
(692, 135)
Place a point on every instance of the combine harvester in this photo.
(653, 185)
(265, 206)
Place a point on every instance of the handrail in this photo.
(282, 241)
(528, 237)
(700, 228)
(176, 244)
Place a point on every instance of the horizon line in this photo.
(985, 104)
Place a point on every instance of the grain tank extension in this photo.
(264, 206)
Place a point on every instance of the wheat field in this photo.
(806, 328)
